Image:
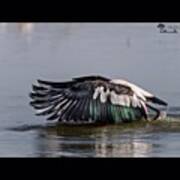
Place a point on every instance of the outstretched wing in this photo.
(85, 99)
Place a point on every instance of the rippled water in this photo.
(60, 51)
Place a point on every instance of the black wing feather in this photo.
(73, 100)
(73, 110)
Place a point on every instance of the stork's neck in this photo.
(134, 87)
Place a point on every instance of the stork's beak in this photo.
(156, 100)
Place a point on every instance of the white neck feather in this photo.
(137, 90)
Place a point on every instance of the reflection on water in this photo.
(131, 149)
(22, 27)
(123, 146)
(108, 141)
(25, 27)
(92, 144)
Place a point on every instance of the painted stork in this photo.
(93, 99)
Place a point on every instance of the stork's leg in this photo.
(154, 109)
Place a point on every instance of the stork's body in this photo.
(93, 99)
